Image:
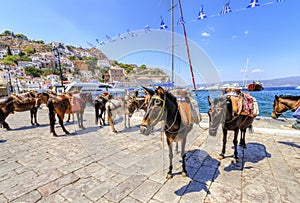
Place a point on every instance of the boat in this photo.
(297, 88)
(255, 86)
(95, 88)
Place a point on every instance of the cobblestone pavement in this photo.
(96, 165)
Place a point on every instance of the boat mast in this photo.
(187, 46)
(246, 74)
(172, 39)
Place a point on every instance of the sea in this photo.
(265, 99)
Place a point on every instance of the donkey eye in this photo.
(157, 102)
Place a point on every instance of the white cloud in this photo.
(246, 32)
(234, 36)
(257, 70)
(205, 34)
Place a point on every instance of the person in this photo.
(296, 114)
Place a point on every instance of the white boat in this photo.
(298, 87)
(94, 88)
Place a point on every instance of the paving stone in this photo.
(32, 196)
(123, 189)
(57, 184)
(146, 191)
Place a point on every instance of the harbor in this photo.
(96, 165)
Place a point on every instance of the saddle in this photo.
(244, 104)
(188, 107)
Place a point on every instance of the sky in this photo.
(266, 36)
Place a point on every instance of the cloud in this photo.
(246, 32)
(257, 70)
(234, 36)
(205, 34)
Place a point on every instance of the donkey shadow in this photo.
(254, 153)
(202, 169)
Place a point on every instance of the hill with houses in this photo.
(33, 63)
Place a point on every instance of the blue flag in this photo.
(121, 36)
(201, 15)
(109, 38)
(253, 4)
(226, 8)
(162, 24)
(180, 21)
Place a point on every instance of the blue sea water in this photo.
(265, 99)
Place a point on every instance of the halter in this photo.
(160, 114)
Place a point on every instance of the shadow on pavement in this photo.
(202, 169)
(254, 153)
(292, 144)
(30, 127)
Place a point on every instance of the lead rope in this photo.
(163, 144)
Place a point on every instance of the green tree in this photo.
(7, 32)
(11, 60)
(29, 50)
(21, 36)
(8, 52)
(91, 61)
(32, 71)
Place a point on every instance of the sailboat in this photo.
(254, 86)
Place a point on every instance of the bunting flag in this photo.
(101, 43)
(97, 40)
(109, 38)
(132, 34)
(162, 24)
(253, 4)
(147, 29)
(90, 44)
(226, 8)
(201, 15)
(180, 21)
(121, 36)
(279, 0)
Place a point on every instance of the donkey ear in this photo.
(209, 100)
(160, 90)
(149, 91)
(276, 97)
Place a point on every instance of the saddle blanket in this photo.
(76, 102)
(188, 107)
(244, 104)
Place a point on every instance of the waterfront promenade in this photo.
(96, 165)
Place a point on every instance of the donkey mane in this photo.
(290, 97)
(171, 96)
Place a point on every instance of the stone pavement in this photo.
(96, 165)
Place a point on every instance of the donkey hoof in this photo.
(169, 176)
(221, 156)
(55, 135)
(184, 174)
(67, 132)
(37, 124)
(235, 160)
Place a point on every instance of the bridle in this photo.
(287, 108)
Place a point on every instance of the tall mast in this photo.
(187, 47)
(246, 74)
(172, 39)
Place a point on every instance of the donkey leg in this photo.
(35, 109)
(31, 116)
(242, 139)
(111, 122)
(235, 142)
(170, 145)
(183, 155)
(61, 123)
(221, 156)
(176, 148)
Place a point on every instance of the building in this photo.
(117, 74)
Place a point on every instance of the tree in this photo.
(34, 72)
(91, 61)
(29, 50)
(8, 52)
(6, 32)
(11, 60)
